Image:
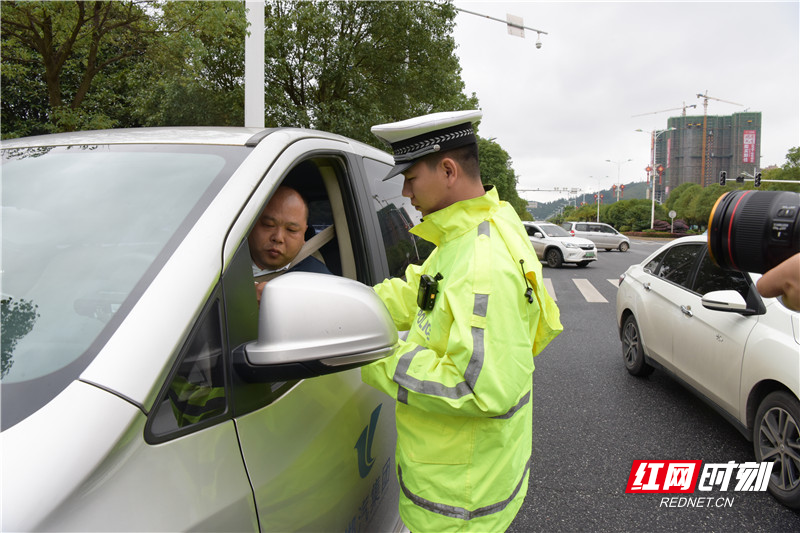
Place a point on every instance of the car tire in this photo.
(583, 264)
(776, 439)
(554, 258)
(632, 349)
(623, 246)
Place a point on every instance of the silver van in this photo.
(143, 389)
(602, 235)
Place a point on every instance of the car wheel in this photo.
(583, 264)
(776, 439)
(632, 349)
(554, 258)
(623, 246)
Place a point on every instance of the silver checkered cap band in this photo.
(409, 150)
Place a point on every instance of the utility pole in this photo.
(254, 65)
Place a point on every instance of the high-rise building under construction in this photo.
(733, 144)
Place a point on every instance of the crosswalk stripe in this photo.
(589, 292)
(548, 284)
(614, 282)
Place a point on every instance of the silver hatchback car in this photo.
(143, 389)
(602, 235)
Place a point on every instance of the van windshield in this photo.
(84, 230)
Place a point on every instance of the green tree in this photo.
(496, 170)
(633, 215)
(193, 73)
(789, 171)
(63, 63)
(344, 66)
(583, 213)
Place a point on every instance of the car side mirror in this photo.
(315, 324)
(729, 301)
(538, 235)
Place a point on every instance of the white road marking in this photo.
(548, 284)
(589, 292)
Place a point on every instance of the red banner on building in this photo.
(669, 150)
(749, 146)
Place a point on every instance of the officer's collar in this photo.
(456, 219)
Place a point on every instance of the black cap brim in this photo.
(399, 169)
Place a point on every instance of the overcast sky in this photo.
(562, 110)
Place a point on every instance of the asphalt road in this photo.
(591, 420)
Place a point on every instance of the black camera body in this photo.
(754, 231)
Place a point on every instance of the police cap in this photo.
(414, 138)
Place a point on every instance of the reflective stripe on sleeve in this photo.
(480, 306)
(434, 388)
(525, 399)
(460, 512)
(402, 395)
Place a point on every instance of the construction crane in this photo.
(704, 165)
(683, 111)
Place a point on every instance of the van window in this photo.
(396, 216)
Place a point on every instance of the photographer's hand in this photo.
(783, 280)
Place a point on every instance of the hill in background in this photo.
(548, 209)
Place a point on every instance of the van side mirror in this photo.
(315, 324)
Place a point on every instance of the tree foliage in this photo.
(496, 170)
(193, 74)
(344, 66)
(64, 63)
(334, 66)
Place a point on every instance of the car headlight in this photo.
(571, 245)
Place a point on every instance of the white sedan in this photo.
(711, 330)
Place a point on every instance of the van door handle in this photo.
(687, 310)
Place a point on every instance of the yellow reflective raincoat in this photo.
(463, 377)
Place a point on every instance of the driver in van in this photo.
(278, 237)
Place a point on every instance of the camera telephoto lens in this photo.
(754, 231)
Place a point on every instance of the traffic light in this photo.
(722, 177)
(758, 180)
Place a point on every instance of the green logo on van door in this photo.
(364, 445)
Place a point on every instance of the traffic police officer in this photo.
(478, 313)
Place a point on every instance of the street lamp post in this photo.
(619, 166)
(598, 197)
(653, 138)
